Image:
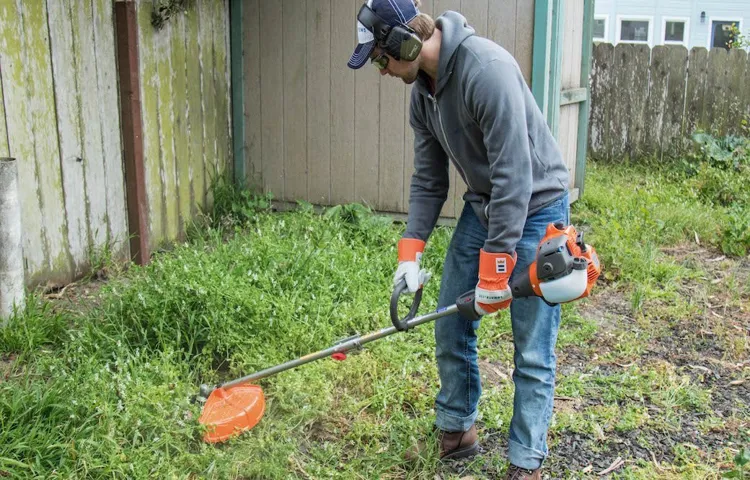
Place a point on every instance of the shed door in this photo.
(561, 64)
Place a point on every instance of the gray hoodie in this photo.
(485, 120)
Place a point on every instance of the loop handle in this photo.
(401, 324)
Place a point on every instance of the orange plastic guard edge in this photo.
(231, 411)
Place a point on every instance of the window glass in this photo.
(674, 32)
(634, 30)
(722, 33)
(599, 28)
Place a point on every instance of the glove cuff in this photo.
(410, 249)
(495, 266)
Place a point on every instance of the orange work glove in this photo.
(492, 292)
(409, 255)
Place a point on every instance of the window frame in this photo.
(604, 17)
(637, 18)
(711, 21)
(686, 32)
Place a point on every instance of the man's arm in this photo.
(429, 182)
(495, 97)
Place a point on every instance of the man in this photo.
(471, 106)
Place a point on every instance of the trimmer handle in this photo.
(465, 304)
(401, 288)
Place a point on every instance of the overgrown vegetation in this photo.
(106, 391)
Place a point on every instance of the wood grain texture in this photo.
(676, 64)
(196, 149)
(182, 163)
(656, 102)
(295, 101)
(318, 41)
(501, 23)
(220, 15)
(68, 95)
(45, 154)
(252, 92)
(696, 89)
(151, 135)
(342, 103)
(109, 113)
(524, 51)
(272, 97)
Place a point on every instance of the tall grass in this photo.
(106, 393)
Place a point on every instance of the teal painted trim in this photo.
(557, 40)
(238, 101)
(574, 95)
(541, 54)
(583, 109)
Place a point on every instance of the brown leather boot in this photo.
(518, 473)
(458, 444)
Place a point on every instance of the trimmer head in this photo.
(228, 412)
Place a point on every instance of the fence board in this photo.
(251, 93)
(735, 82)
(178, 52)
(196, 168)
(695, 95)
(295, 85)
(33, 124)
(391, 171)
(318, 42)
(656, 101)
(209, 90)
(220, 37)
(166, 120)
(272, 98)
(626, 121)
(109, 114)
(93, 153)
(499, 29)
(4, 147)
(342, 103)
(602, 61)
(149, 98)
(366, 129)
(64, 67)
(676, 67)
(717, 85)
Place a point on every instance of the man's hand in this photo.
(409, 255)
(492, 292)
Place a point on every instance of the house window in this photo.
(634, 30)
(721, 32)
(675, 31)
(600, 28)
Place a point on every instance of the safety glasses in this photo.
(380, 62)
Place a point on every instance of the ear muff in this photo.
(400, 41)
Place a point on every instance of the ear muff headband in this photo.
(400, 41)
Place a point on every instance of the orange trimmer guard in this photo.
(231, 411)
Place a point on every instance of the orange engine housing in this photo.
(593, 270)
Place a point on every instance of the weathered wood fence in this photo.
(648, 102)
(62, 118)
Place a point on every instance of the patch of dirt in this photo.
(75, 297)
(696, 345)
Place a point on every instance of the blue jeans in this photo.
(534, 323)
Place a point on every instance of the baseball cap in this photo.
(393, 12)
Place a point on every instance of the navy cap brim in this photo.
(361, 55)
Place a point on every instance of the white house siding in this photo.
(657, 10)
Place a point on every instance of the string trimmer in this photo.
(565, 269)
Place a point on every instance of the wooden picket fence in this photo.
(649, 102)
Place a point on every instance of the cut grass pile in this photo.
(105, 392)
